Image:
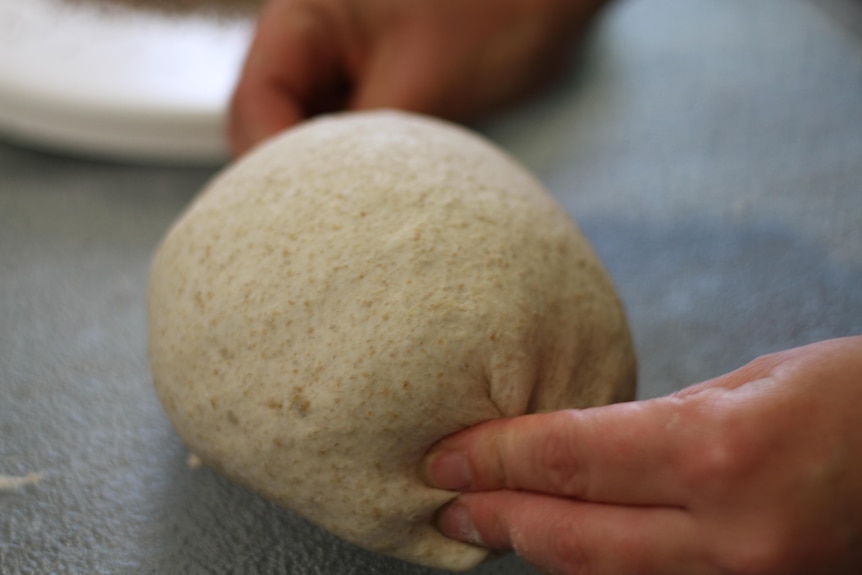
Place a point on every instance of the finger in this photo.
(625, 453)
(291, 60)
(408, 69)
(656, 452)
(566, 536)
(258, 113)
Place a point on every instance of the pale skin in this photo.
(756, 472)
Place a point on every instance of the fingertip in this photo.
(455, 521)
(256, 115)
(468, 460)
(447, 470)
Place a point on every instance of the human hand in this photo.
(755, 472)
(458, 59)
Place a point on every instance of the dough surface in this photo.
(358, 288)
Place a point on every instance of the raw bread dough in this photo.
(358, 288)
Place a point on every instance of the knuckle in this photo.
(717, 462)
(558, 457)
(498, 470)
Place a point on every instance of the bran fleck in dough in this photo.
(358, 288)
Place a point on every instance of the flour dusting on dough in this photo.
(11, 482)
(193, 461)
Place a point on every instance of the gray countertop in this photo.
(711, 150)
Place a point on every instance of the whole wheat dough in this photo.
(355, 290)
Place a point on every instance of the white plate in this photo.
(118, 83)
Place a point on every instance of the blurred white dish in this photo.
(118, 83)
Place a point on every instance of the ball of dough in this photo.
(355, 290)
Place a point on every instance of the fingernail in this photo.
(449, 470)
(454, 521)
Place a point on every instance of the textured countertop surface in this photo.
(710, 149)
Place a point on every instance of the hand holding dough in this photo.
(355, 290)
